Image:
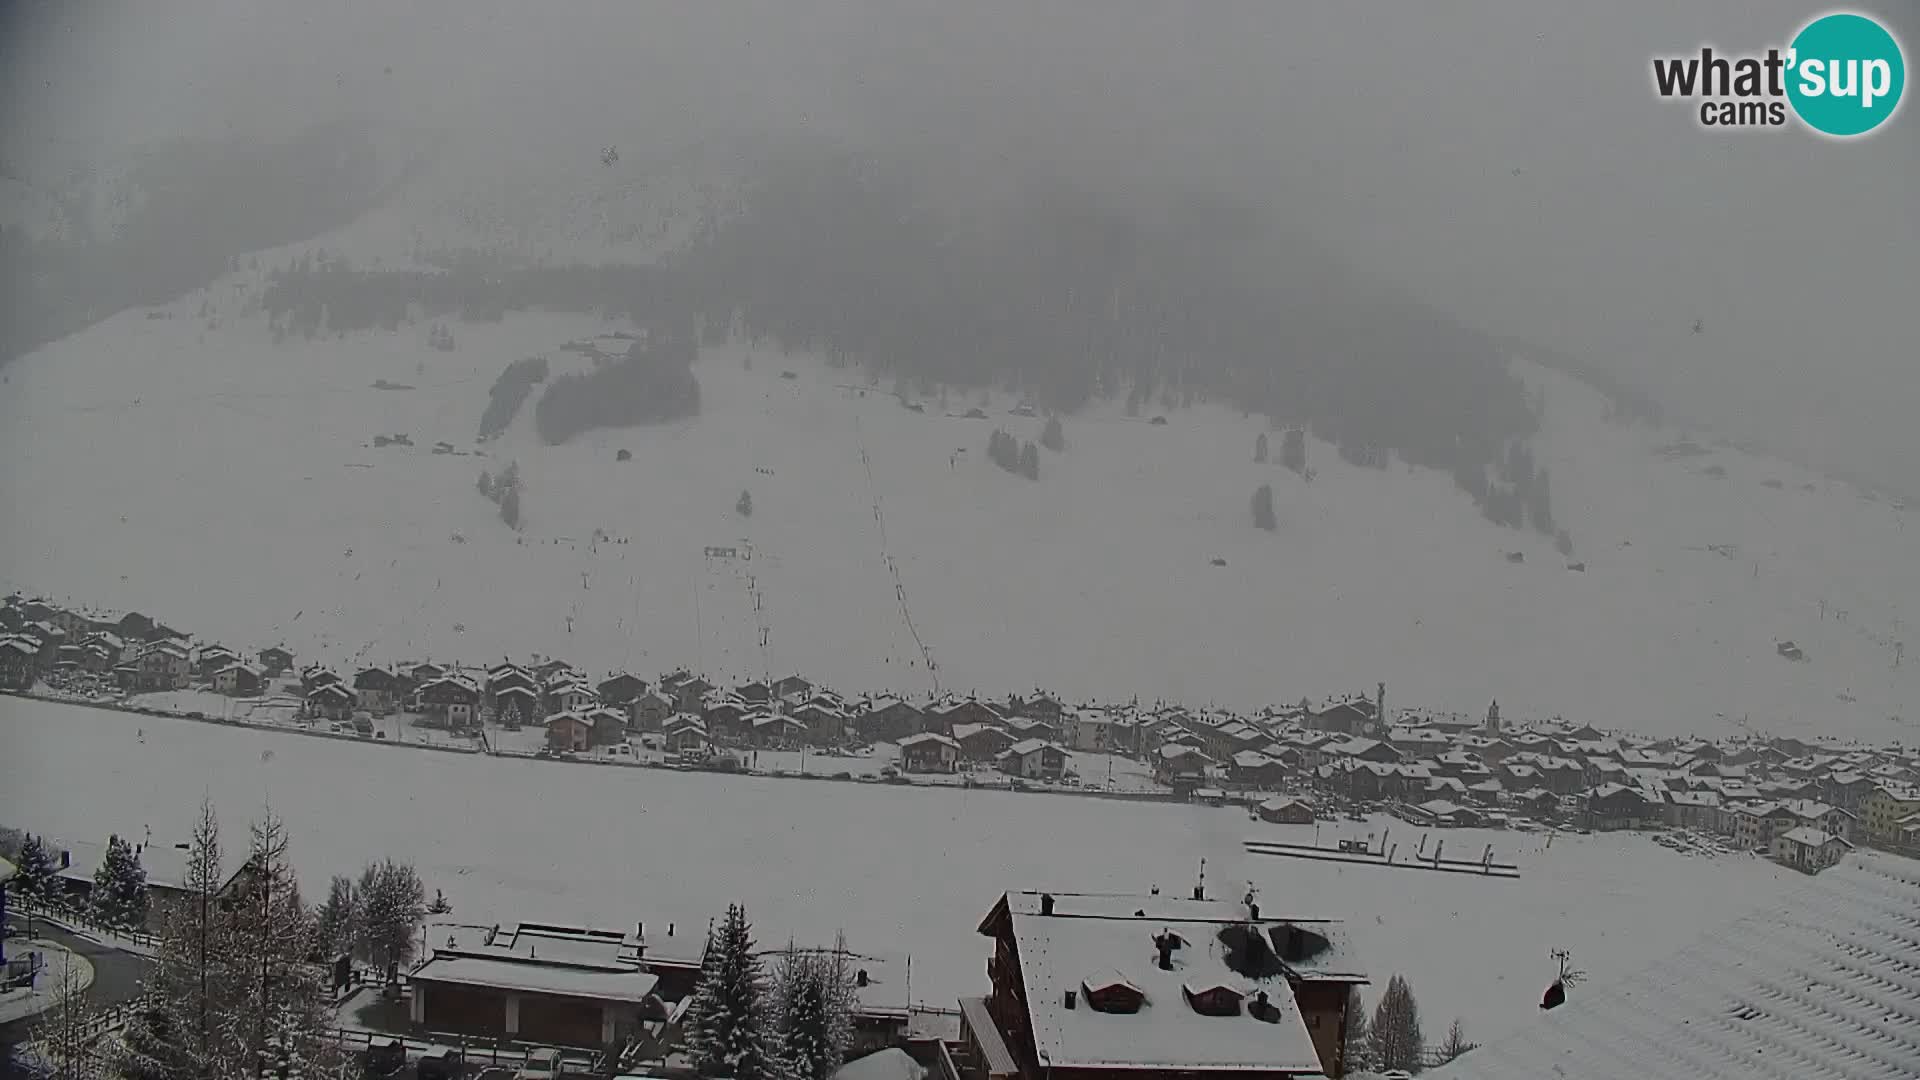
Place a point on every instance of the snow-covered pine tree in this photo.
(392, 903)
(278, 1024)
(192, 983)
(1397, 1039)
(35, 870)
(62, 1036)
(334, 924)
(813, 1000)
(1052, 437)
(729, 1029)
(120, 887)
(1358, 1047)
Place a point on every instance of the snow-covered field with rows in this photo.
(901, 870)
(190, 468)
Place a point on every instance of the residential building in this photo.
(684, 733)
(929, 752)
(330, 701)
(569, 732)
(454, 700)
(1616, 806)
(621, 689)
(1179, 765)
(1881, 811)
(1142, 988)
(516, 706)
(378, 690)
(650, 710)
(1281, 810)
(239, 680)
(981, 742)
(274, 660)
(890, 719)
(1809, 848)
(1034, 759)
(556, 985)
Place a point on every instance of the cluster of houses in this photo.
(1803, 802)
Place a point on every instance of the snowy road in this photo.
(899, 869)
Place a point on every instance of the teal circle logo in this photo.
(1846, 75)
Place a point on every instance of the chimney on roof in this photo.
(1165, 942)
(669, 929)
(66, 858)
(640, 929)
(860, 977)
(1046, 903)
(1070, 997)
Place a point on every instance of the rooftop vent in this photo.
(1069, 1001)
(1046, 903)
(1262, 1009)
(1165, 942)
(860, 977)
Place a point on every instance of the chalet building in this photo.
(648, 711)
(516, 706)
(1021, 727)
(212, 658)
(330, 701)
(452, 700)
(1179, 765)
(929, 752)
(1097, 731)
(790, 686)
(609, 726)
(688, 691)
(553, 985)
(772, 731)
(109, 645)
(164, 665)
(239, 680)
(77, 862)
(1691, 809)
(1346, 718)
(422, 674)
(1442, 814)
(19, 663)
(509, 676)
(1808, 848)
(378, 690)
(315, 676)
(1034, 759)
(571, 697)
(552, 671)
(981, 742)
(1253, 769)
(1848, 790)
(1537, 801)
(1364, 749)
(569, 732)
(890, 719)
(684, 733)
(619, 691)
(825, 726)
(944, 715)
(1616, 806)
(1156, 988)
(1285, 811)
(756, 692)
(274, 660)
(1038, 707)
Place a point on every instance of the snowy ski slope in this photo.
(231, 486)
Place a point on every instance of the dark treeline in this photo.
(509, 392)
(653, 383)
(200, 206)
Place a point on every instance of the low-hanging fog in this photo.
(1506, 162)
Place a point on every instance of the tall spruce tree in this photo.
(729, 1025)
(1456, 1043)
(36, 870)
(119, 895)
(1397, 1040)
(278, 1026)
(1357, 1049)
(1052, 437)
(170, 1037)
(814, 998)
(336, 923)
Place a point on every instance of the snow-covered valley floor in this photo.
(207, 476)
(901, 870)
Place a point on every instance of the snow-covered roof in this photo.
(1809, 836)
(1030, 746)
(166, 867)
(1819, 986)
(632, 986)
(889, 1064)
(1058, 951)
(926, 737)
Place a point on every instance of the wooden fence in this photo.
(71, 918)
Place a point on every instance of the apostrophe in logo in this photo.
(1847, 75)
(1843, 75)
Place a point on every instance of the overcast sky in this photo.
(1393, 131)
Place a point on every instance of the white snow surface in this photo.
(230, 486)
(901, 869)
(1823, 985)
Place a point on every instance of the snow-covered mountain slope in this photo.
(231, 486)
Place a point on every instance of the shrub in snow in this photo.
(120, 887)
